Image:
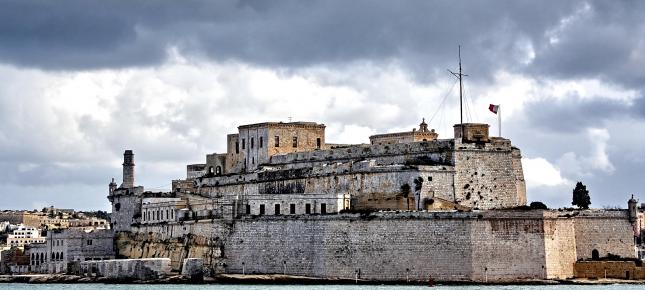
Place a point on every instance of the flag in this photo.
(493, 108)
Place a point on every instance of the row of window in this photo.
(157, 215)
(20, 242)
(294, 143)
(292, 209)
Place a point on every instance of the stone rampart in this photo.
(448, 246)
(434, 151)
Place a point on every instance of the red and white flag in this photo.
(493, 108)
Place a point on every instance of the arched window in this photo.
(595, 255)
(61, 255)
(57, 256)
(211, 170)
(218, 170)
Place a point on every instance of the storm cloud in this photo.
(85, 80)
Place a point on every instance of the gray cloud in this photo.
(572, 113)
(45, 148)
(422, 35)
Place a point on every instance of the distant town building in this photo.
(74, 245)
(24, 235)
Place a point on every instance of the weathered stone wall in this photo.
(560, 247)
(485, 176)
(604, 231)
(449, 246)
(126, 207)
(610, 270)
(508, 246)
(518, 171)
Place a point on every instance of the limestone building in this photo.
(423, 134)
(282, 200)
(65, 247)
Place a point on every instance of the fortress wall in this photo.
(330, 247)
(605, 231)
(506, 249)
(124, 208)
(485, 179)
(449, 246)
(560, 247)
(520, 183)
(377, 188)
(437, 182)
(440, 151)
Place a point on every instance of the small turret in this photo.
(128, 169)
(112, 186)
(632, 207)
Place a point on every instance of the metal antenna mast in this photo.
(460, 76)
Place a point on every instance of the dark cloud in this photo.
(572, 113)
(42, 148)
(422, 35)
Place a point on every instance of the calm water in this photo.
(294, 287)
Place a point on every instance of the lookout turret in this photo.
(128, 169)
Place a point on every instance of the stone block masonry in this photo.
(448, 246)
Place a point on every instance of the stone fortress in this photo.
(408, 206)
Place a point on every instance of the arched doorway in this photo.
(595, 255)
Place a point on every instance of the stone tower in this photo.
(128, 169)
(632, 206)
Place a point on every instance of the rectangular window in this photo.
(277, 141)
(89, 242)
(277, 209)
(323, 208)
(248, 209)
(252, 142)
(308, 208)
(295, 142)
(253, 160)
(243, 143)
(261, 141)
(292, 208)
(237, 147)
(318, 143)
(261, 209)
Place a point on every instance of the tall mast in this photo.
(460, 75)
(461, 94)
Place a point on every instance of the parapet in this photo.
(472, 133)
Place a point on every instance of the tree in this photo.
(581, 197)
(538, 205)
(418, 185)
(405, 192)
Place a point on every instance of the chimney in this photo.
(128, 169)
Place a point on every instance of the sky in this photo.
(83, 80)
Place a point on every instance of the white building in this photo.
(24, 235)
